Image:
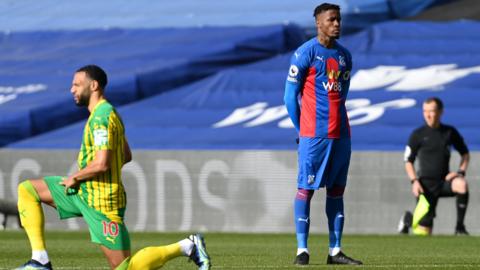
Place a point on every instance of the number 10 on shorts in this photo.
(110, 228)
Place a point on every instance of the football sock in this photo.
(333, 251)
(301, 250)
(302, 216)
(462, 203)
(153, 257)
(32, 219)
(40, 256)
(334, 210)
(186, 245)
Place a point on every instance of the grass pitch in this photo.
(73, 250)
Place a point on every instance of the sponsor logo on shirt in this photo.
(333, 73)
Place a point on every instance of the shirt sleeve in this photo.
(411, 149)
(299, 65)
(101, 132)
(458, 142)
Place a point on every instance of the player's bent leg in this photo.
(115, 257)
(32, 219)
(460, 188)
(155, 257)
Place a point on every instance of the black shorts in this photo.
(433, 189)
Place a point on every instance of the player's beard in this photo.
(84, 99)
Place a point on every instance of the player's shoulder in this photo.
(307, 47)
(448, 128)
(343, 49)
(420, 130)
(103, 111)
(104, 107)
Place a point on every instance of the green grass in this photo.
(73, 250)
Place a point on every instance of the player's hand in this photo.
(417, 188)
(69, 182)
(451, 175)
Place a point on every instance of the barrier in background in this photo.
(242, 191)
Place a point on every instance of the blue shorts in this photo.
(323, 162)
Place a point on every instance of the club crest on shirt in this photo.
(341, 60)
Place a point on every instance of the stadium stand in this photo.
(38, 66)
(39, 52)
(241, 108)
(91, 14)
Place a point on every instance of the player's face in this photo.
(328, 23)
(81, 89)
(431, 114)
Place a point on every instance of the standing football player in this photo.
(95, 192)
(315, 93)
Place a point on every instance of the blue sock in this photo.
(334, 209)
(302, 216)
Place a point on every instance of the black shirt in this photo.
(432, 146)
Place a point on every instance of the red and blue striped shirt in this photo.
(316, 90)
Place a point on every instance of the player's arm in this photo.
(299, 65)
(128, 152)
(291, 103)
(465, 159)
(409, 158)
(100, 164)
(461, 147)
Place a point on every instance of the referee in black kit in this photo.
(431, 143)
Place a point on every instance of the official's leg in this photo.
(459, 187)
(30, 195)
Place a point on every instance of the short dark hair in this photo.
(324, 7)
(96, 73)
(437, 101)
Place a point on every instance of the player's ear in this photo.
(94, 86)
